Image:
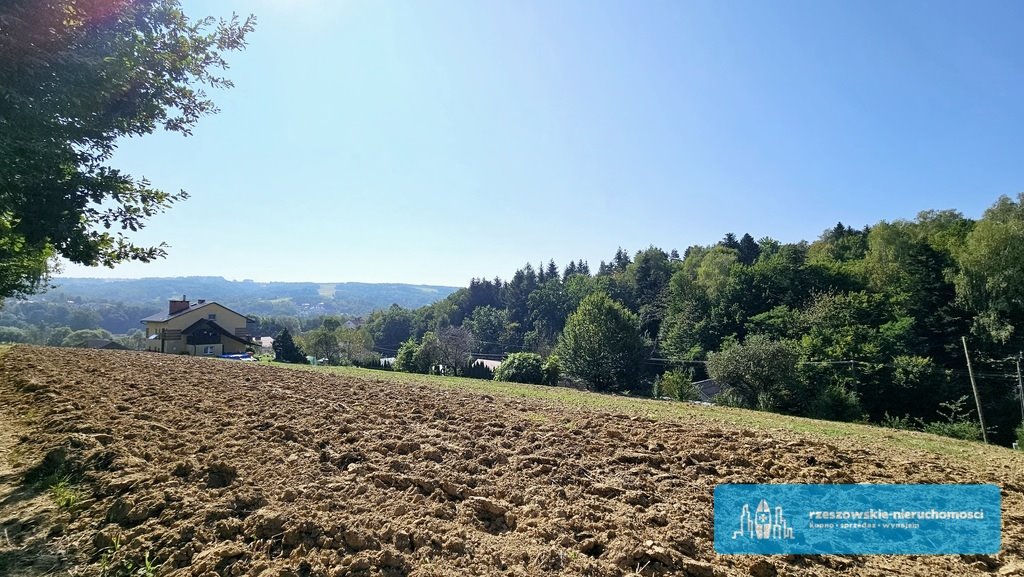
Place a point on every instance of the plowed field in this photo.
(217, 468)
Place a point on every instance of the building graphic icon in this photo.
(763, 524)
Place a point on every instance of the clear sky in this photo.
(432, 142)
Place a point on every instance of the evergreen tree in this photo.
(516, 294)
(570, 269)
(621, 260)
(749, 249)
(729, 241)
(531, 277)
(286, 351)
(649, 275)
(552, 269)
(482, 293)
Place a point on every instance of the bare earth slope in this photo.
(220, 468)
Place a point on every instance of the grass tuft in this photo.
(65, 494)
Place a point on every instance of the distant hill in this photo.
(249, 297)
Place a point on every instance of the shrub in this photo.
(405, 360)
(837, 403)
(552, 370)
(521, 368)
(729, 398)
(767, 402)
(428, 354)
(961, 430)
(81, 338)
(957, 423)
(904, 423)
(676, 385)
(1020, 437)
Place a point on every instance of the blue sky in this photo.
(433, 142)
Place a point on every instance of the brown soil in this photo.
(220, 468)
(28, 526)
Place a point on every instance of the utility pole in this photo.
(1020, 386)
(974, 386)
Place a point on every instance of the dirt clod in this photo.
(219, 475)
(763, 568)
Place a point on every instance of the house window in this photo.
(208, 350)
(211, 316)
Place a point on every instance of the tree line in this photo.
(860, 324)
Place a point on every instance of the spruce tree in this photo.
(286, 351)
(729, 241)
(552, 270)
(749, 249)
(570, 269)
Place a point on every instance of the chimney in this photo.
(174, 307)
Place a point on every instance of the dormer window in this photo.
(211, 317)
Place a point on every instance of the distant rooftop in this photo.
(165, 316)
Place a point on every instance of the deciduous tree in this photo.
(454, 347)
(601, 344)
(322, 344)
(761, 371)
(991, 282)
(77, 76)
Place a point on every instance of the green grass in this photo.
(679, 411)
(65, 494)
(125, 567)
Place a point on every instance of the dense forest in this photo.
(860, 324)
